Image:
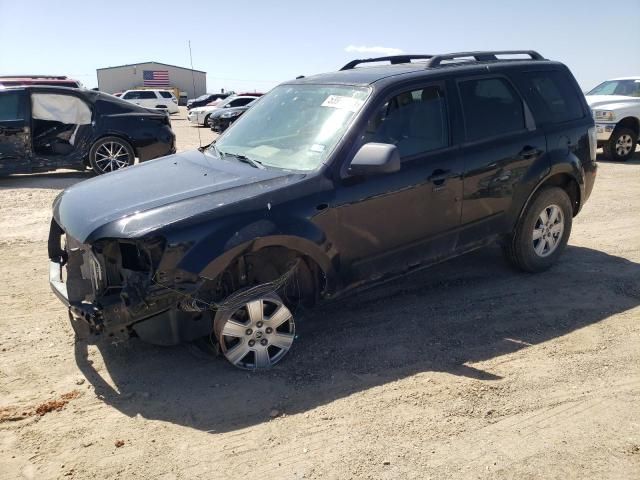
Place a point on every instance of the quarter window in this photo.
(491, 107)
(414, 121)
(166, 94)
(553, 97)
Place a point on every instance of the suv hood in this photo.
(139, 199)
(599, 101)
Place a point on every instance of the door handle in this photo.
(439, 176)
(528, 153)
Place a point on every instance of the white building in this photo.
(152, 74)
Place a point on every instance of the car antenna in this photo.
(193, 81)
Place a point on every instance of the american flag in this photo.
(155, 78)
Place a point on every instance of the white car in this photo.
(616, 110)
(200, 115)
(161, 99)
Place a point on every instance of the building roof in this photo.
(158, 63)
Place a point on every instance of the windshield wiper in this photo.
(241, 158)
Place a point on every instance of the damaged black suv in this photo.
(328, 183)
(45, 128)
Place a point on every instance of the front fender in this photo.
(214, 252)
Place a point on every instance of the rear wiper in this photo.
(242, 158)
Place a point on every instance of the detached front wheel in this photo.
(110, 154)
(255, 331)
(542, 233)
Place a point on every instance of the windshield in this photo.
(629, 88)
(294, 126)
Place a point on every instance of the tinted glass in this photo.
(416, 122)
(166, 94)
(11, 106)
(147, 95)
(491, 107)
(240, 102)
(552, 97)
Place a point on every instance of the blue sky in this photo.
(246, 45)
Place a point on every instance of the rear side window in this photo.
(241, 102)
(491, 107)
(139, 95)
(11, 106)
(166, 94)
(553, 97)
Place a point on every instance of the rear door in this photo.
(501, 143)
(15, 133)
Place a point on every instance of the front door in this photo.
(14, 133)
(389, 222)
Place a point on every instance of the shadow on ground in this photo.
(441, 319)
(50, 180)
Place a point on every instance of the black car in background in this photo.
(326, 184)
(202, 100)
(44, 128)
(222, 119)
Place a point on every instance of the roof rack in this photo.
(393, 59)
(486, 56)
(436, 60)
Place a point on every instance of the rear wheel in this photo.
(542, 233)
(206, 120)
(622, 144)
(110, 154)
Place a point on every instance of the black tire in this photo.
(206, 121)
(520, 247)
(622, 144)
(124, 155)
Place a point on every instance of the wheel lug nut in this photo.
(263, 342)
(259, 324)
(269, 330)
(252, 343)
(249, 331)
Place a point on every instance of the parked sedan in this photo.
(200, 115)
(45, 128)
(205, 99)
(222, 119)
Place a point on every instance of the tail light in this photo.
(593, 143)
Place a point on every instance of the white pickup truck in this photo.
(616, 109)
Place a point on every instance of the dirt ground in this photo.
(465, 370)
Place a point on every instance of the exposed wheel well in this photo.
(569, 185)
(631, 123)
(297, 278)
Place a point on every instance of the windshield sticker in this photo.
(343, 103)
(316, 147)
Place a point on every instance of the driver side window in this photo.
(414, 121)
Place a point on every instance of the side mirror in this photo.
(374, 159)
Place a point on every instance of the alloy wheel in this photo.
(548, 230)
(111, 156)
(256, 334)
(624, 145)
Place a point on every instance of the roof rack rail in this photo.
(485, 56)
(393, 59)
